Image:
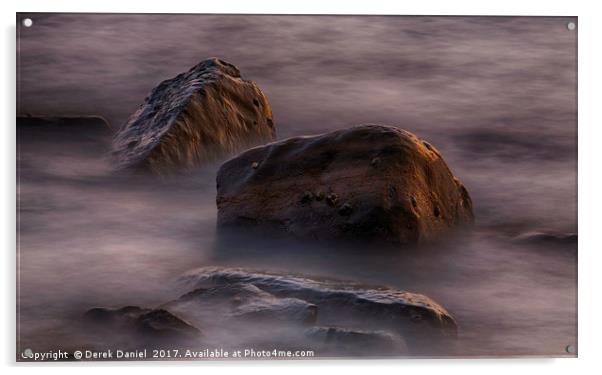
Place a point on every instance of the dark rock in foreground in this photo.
(196, 117)
(371, 182)
(244, 303)
(150, 325)
(417, 318)
(238, 308)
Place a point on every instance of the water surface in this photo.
(497, 96)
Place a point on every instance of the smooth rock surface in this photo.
(196, 117)
(370, 182)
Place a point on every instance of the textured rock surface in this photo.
(340, 303)
(242, 302)
(369, 182)
(198, 116)
(240, 308)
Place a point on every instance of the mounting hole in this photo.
(571, 26)
(27, 22)
(570, 349)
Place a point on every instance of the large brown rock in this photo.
(198, 116)
(369, 182)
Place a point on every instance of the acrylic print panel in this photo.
(258, 187)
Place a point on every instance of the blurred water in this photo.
(497, 96)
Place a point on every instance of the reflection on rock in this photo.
(196, 117)
(370, 182)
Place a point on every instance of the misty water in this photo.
(496, 96)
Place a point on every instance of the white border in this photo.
(590, 63)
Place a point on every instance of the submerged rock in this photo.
(239, 308)
(57, 129)
(355, 342)
(370, 182)
(540, 238)
(244, 303)
(196, 117)
(68, 124)
(148, 324)
(416, 317)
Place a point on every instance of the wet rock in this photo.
(243, 303)
(400, 189)
(149, 324)
(236, 307)
(198, 116)
(416, 317)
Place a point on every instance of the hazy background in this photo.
(497, 96)
(482, 89)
